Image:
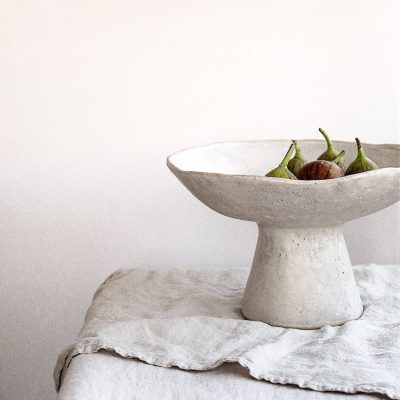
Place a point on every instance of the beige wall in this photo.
(95, 94)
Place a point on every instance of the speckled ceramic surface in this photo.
(301, 275)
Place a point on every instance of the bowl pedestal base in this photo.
(301, 278)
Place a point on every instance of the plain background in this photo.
(95, 94)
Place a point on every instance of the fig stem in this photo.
(296, 146)
(360, 149)
(327, 138)
(339, 157)
(287, 157)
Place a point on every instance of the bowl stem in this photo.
(301, 278)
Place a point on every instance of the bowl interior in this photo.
(259, 157)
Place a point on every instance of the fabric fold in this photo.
(191, 319)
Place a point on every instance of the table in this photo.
(192, 318)
(107, 376)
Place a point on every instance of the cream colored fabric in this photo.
(107, 376)
(191, 319)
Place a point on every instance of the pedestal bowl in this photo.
(301, 276)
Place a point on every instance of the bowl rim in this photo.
(173, 167)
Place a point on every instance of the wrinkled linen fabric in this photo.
(191, 319)
(106, 376)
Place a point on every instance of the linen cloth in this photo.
(107, 376)
(191, 319)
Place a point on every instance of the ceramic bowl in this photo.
(301, 275)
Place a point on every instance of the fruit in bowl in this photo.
(362, 163)
(327, 166)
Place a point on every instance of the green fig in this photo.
(322, 169)
(297, 162)
(362, 163)
(330, 153)
(282, 171)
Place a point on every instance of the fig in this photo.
(330, 153)
(322, 169)
(282, 171)
(362, 163)
(298, 161)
